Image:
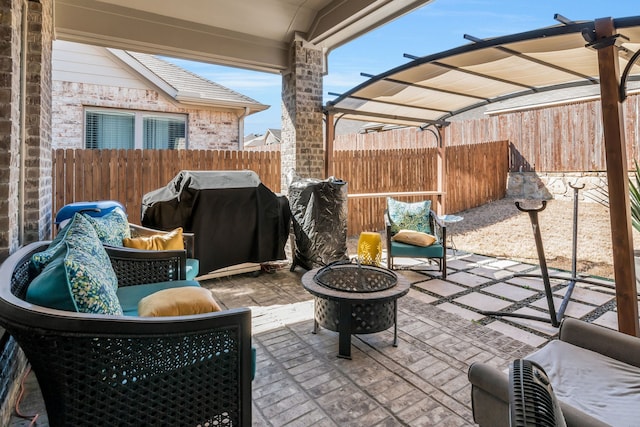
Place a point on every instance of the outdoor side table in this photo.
(355, 311)
(451, 219)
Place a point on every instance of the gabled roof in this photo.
(260, 140)
(185, 86)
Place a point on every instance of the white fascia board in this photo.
(150, 76)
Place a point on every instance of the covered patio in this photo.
(422, 382)
(299, 380)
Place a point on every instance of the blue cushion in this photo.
(193, 267)
(79, 276)
(409, 216)
(129, 296)
(111, 228)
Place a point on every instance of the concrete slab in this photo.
(483, 302)
(517, 333)
(441, 287)
(512, 292)
(460, 311)
(467, 279)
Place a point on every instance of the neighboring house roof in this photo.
(276, 133)
(185, 86)
(256, 141)
(271, 136)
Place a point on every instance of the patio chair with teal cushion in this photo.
(415, 231)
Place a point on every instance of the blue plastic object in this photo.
(96, 209)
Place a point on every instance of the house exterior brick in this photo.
(25, 136)
(207, 129)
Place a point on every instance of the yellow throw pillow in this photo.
(178, 302)
(159, 242)
(412, 237)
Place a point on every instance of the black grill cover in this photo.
(234, 217)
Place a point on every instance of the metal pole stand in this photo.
(554, 317)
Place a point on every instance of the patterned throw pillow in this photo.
(41, 259)
(79, 276)
(409, 216)
(111, 228)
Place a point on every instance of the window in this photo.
(110, 129)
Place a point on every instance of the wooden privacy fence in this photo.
(476, 174)
(126, 175)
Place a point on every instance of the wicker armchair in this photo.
(117, 370)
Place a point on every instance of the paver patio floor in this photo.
(421, 382)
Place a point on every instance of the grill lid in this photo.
(349, 277)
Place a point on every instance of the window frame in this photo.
(139, 115)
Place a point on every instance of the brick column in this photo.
(28, 102)
(302, 137)
(38, 184)
(11, 29)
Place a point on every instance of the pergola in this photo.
(428, 90)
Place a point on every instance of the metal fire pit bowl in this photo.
(355, 299)
(350, 277)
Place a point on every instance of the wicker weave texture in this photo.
(97, 370)
(179, 380)
(145, 271)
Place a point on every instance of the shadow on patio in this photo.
(423, 381)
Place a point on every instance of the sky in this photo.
(436, 27)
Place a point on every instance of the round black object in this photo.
(349, 277)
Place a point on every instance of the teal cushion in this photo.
(400, 249)
(79, 276)
(193, 267)
(409, 216)
(111, 228)
(129, 296)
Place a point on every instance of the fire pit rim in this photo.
(365, 272)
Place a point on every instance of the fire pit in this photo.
(355, 299)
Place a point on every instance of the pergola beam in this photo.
(617, 176)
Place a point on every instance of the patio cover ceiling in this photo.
(253, 34)
(433, 88)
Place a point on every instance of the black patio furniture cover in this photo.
(319, 211)
(235, 218)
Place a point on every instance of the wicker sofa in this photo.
(96, 369)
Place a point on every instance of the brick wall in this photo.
(25, 152)
(11, 30)
(207, 128)
(38, 185)
(302, 132)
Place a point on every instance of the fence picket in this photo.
(476, 175)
